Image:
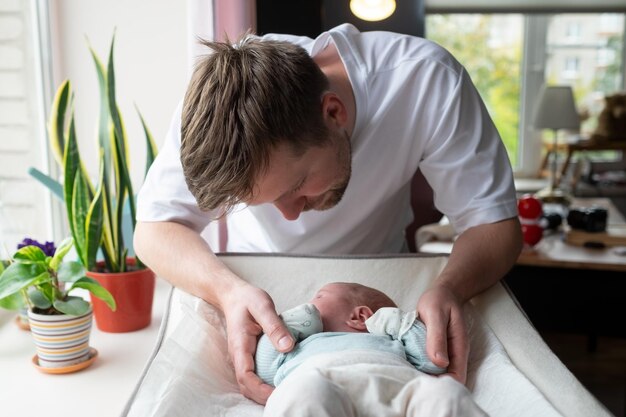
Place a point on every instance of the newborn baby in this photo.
(357, 355)
(343, 316)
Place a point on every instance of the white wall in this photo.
(150, 62)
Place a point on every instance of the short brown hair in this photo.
(242, 102)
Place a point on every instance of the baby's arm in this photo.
(302, 321)
(405, 327)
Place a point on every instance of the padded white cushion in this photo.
(511, 372)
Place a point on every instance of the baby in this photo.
(373, 340)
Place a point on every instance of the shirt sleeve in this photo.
(303, 321)
(414, 342)
(405, 327)
(267, 360)
(164, 195)
(465, 161)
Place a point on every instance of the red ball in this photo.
(532, 234)
(529, 207)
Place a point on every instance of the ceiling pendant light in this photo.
(372, 10)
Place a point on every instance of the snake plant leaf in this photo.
(12, 302)
(19, 276)
(122, 163)
(80, 208)
(73, 306)
(151, 148)
(30, 254)
(71, 271)
(118, 236)
(38, 299)
(93, 221)
(56, 127)
(108, 243)
(97, 290)
(59, 254)
(103, 121)
(71, 165)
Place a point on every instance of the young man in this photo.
(311, 145)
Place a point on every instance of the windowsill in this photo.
(100, 390)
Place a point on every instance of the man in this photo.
(311, 149)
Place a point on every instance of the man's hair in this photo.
(243, 101)
(361, 295)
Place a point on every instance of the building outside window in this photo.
(582, 50)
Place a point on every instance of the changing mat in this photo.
(511, 370)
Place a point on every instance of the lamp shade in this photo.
(556, 109)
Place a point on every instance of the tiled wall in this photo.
(22, 201)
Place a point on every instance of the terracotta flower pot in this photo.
(133, 292)
(61, 340)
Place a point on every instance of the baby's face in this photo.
(335, 309)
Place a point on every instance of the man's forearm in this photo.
(180, 255)
(480, 257)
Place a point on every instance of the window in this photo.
(509, 56)
(25, 206)
(573, 32)
(490, 47)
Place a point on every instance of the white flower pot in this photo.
(61, 340)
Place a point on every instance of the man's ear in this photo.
(334, 111)
(358, 316)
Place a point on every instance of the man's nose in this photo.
(292, 208)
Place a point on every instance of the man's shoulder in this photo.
(302, 41)
(381, 50)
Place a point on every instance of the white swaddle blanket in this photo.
(367, 383)
(191, 374)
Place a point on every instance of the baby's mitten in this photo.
(390, 321)
(303, 321)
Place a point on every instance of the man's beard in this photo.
(333, 196)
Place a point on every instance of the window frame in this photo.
(533, 67)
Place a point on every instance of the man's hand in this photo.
(446, 332)
(249, 312)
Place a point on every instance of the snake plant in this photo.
(95, 209)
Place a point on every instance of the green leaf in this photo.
(12, 302)
(80, 209)
(71, 271)
(50, 291)
(151, 148)
(120, 157)
(18, 276)
(56, 125)
(93, 222)
(74, 306)
(118, 236)
(97, 290)
(59, 254)
(103, 121)
(30, 254)
(71, 165)
(39, 299)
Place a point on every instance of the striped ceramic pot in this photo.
(61, 340)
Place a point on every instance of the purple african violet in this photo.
(48, 248)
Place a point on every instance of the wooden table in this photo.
(553, 252)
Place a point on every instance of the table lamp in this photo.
(555, 110)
